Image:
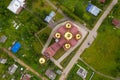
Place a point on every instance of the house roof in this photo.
(15, 6)
(116, 22)
(26, 77)
(12, 69)
(93, 9)
(82, 72)
(49, 73)
(16, 47)
(103, 1)
(3, 39)
(50, 16)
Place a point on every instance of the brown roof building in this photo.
(116, 23)
(102, 1)
(25, 77)
(67, 36)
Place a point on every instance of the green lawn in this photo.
(104, 54)
(44, 34)
(77, 8)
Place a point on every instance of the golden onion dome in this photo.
(68, 35)
(42, 60)
(67, 45)
(78, 36)
(57, 35)
(68, 25)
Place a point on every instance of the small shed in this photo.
(3, 39)
(116, 23)
(102, 1)
(12, 69)
(25, 77)
(3, 61)
(49, 73)
(16, 47)
(50, 16)
(82, 72)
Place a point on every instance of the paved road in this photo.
(23, 64)
(88, 40)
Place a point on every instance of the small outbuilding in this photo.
(102, 1)
(82, 72)
(3, 61)
(16, 47)
(3, 39)
(49, 73)
(50, 16)
(25, 77)
(12, 69)
(116, 23)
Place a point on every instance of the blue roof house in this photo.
(16, 47)
(93, 9)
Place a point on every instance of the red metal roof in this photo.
(62, 42)
(62, 30)
(74, 30)
(50, 51)
(73, 42)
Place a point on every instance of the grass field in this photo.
(104, 54)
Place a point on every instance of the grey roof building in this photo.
(3, 61)
(12, 69)
(50, 16)
(49, 73)
(3, 39)
(82, 72)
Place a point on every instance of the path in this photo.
(88, 40)
(56, 8)
(23, 64)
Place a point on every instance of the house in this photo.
(49, 73)
(102, 1)
(25, 77)
(3, 61)
(82, 72)
(12, 69)
(49, 18)
(16, 47)
(93, 9)
(116, 23)
(16, 6)
(3, 39)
